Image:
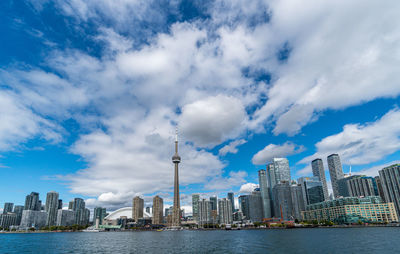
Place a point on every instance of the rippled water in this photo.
(317, 240)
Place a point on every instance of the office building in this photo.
(225, 211)
(137, 209)
(204, 212)
(8, 208)
(158, 206)
(32, 202)
(18, 211)
(65, 217)
(7, 220)
(33, 219)
(298, 204)
(99, 213)
(336, 172)
(283, 201)
(195, 206)
(281, 170)
(265, 193)
(51, 208)
(251, 206)
(318, 171)
(231, 197)
(390, 179)
(312, 190)
(352, 210)
(357, 186)
(176, 213)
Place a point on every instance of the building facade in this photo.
(380, 188)
(158, 207)
(78, 207)
(204, 212)
(18, 211)
(231, 197)
(318, 171)
(225, 211)
(33, 218)
(298, 204)
(283, 201)
(51, 208)
(390, 179)
(7, 220)
(99, 213)
(65, 218)
(32, 202)
(8, 208)
(137, 208)
(336, 172)
(265, 193)
(195, 206)
(357, 186)
(312, 190)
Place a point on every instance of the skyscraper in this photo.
(204, 212)
(318, 170)
(281, 170)
(158, 206)
(390, 179)
(214, 209)
(264, 188)
(312, 190)
(213, 203)
(18, 211)
(380, 188)
(65, 217)
(176, 159)
(283, 201)
(32, 202)
(335, 171)
(60, 204)
(251, 206)
(51, 208)
(99, 213)
(297, 200)
(225, 211)
(137, 208)
(71, 205)
(8, 208)
(195, 206)
(357, 186)
(231, 197)
(79, 208)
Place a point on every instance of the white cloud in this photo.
(275, 151)
(360, 144)
(226, 183)
(231, 147)
(248, 188)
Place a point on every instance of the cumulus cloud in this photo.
(275, 151)
(360, 144)
(226, 183)
(248, 188)
(231, 147)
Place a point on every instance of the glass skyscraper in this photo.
(231, 197)
(195, 206)
(335, 171)
(265, 193)
(318, 170)
(312, 190)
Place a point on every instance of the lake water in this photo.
(317, 240)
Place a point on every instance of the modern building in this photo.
(86, 217)
(380, 188)
(78, 207)
(137, 208)
(18, 211)
(204, 212)
(318, 171)
(158, 207)
(336, 172)
(357, 186)
(8, 208)
(32, 202)
(283, 201)
(231, 197)
(251, 206)
(265, 193)
(225, 211)
(312, 190)
(51, 208)
(99, 213)
(195, 206)
(60, 204)
(214, 209)
(352, 210)
(298, 204)
(71, 205)
(33, 219)
(7, 220)
(176, 213)
(65, 217)
(390, 179)
(281, 170)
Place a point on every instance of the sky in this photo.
(91, 92)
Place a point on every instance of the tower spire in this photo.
(176, 213)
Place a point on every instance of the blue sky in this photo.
(91, 92)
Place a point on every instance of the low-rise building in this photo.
(351, 210)
(7, 220)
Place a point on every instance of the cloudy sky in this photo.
(91, 92)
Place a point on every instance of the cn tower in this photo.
(176, 159)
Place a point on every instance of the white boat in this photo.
(91, 230)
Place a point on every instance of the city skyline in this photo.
(91, 93)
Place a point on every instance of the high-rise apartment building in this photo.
(231, 197)
(297, 201)
(225, 211)
(158, 206)
(65, 217)
(265, 193)
(137, 209)
(32, 202)
(80, 214)
(335, 171)
(251, 206)
(51, 208)
(283, 201)
(390, 179)
(312, 190)
(33, 218)
(195, 206)
(318, 171)
(60, 204)
(380, 188)
(281, 170)
(204, 212)
(8, 208)
(99, 213)
(214, 203)
(71, 205)
(18, 211)
(357, 186)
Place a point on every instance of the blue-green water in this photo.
(318, 240)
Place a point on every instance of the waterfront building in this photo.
(352, 210)
(7, 220)
(283, 201)
(99, 213)
(65, 217)
(79, 208)
(281, 170)
(60, 204)
(357, 186)
(312, 190)
(335, 171)
(158, 206)
(265, 193)
(318, 171)
(148, 209)
(18, 211)
(238, 216)
(298, 204)
(51, 208)
(231, 197)
(8, 208)
(204, 212)
(390, 179)
(33, 218)
(137, 208)
(176, 159)
(71, 205)
(86, 217)
(195, 206)
(225, 211)
(380, 188)
(32, 202)
(251, 206)
(214, 209)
